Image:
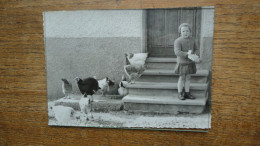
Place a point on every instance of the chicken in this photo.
(137, 58)
(62, 113)
(104, 85)
(133, 72)
(66, 88)
(122, 89)
(193, 57)
(124, 81)
(85, 106)
(87, 86)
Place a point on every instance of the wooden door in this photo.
(162, 28)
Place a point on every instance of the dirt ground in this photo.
(122, 119)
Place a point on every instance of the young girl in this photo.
(185, 67)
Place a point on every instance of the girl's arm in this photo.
(177, 49)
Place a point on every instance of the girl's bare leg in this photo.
(187, 87)
(187, 83)
(181, 83)
(180, 87)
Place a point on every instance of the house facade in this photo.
(93, 42)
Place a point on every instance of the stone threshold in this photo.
(161, 60)
(164, 85)
(165, 100)
(166, 72)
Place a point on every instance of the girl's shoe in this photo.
(181, 96)
(189, 96)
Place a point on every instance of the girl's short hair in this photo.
(184, 25)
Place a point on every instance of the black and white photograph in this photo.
(140, 69)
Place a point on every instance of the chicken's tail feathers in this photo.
(129, 55)
(65, 81)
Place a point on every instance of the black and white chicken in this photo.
(104, 85)
(88, 86)
(66, 88)
(122, 89)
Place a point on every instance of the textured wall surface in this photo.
(85, 57)
(89, 43)
(93, 23)
(235, 80)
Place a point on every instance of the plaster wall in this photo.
(89, 43)
(206, 40)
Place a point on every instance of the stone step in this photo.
(160, 63)
(163, 85)
(164, 75)
(100, 104)
(165, 89)
(163, 104)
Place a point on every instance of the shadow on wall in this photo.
(85, 57)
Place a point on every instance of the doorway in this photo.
(162, 29)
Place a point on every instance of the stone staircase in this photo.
(156, 90)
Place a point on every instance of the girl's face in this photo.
(185, 32)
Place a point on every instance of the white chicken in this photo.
(193, 57)
(85, 106)
(122, 89)
(137, 58)
(62, 113)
